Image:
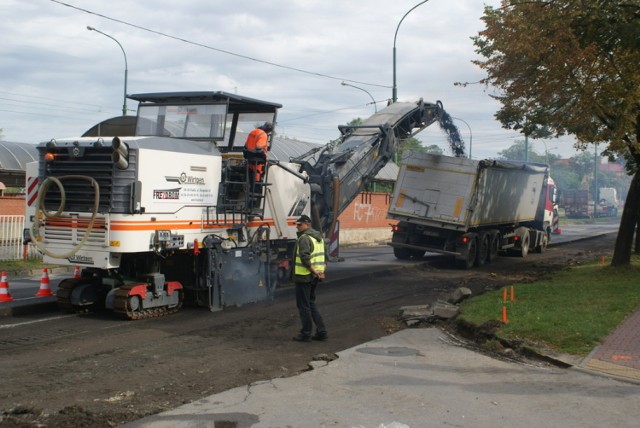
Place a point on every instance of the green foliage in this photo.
(577, 174)
(376, 186)
(571, 313)
(412, 144)
(585, 81)
(517, 152)
(18, 265)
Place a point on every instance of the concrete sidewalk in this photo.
(416, 378)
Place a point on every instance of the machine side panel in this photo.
(287, 198)
(171, 182)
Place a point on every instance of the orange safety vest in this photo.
(257, 139)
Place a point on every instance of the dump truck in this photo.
(472, 210)
(160, 209)
(577, 203)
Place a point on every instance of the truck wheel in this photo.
(416, 254)
(524, 245)
(494, 247)
(401, 253)
(544, 241)
(472, 254)
(483, 250)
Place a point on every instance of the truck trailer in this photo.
(470, 209)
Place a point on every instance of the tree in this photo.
(414, 145)
(516, 152)
(0, 134)
(583, 165)
(571, 67)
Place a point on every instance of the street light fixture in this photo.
(394, 94)
(126, 71)
(470, 133)
(373, 101)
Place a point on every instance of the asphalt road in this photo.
(356, 261)
(115, 371)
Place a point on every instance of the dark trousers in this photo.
(309, 315)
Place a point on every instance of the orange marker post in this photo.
(504, 319)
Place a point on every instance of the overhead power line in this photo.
(202, 45)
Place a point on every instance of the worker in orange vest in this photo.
(256, 150)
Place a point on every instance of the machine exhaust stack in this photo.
(120, 155)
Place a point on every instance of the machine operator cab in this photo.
(222, 119)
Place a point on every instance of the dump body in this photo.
(460, 194)
(470, 209)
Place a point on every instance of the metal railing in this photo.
(11, 239)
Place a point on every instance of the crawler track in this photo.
(123, 307)
(63, 295)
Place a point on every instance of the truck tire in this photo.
(472, 253)
(483, 250)
(524, 245)
(402, 253)
(494, 246)
(416, 254)
(544, 242)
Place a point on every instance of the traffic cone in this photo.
(5, 296)
(45, 289)
(76, 272)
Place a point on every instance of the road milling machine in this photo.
(159, 210)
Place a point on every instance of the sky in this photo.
(59, 79)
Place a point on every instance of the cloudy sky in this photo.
(59, 79)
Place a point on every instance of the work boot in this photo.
(320, 336)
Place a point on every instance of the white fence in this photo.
(11, 241)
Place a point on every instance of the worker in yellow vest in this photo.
(308, 271)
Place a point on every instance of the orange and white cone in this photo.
(45, 288)
(5, 296)
(76, 272)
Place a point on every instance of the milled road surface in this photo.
(95, 370)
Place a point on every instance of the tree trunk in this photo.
(637, 244)
(624, 240)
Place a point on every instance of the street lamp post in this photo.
(470, 133)
(126, 68)
(596, 190)
(373, 101)
(546, 151)
(394, 94)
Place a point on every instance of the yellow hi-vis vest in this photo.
(317, 257)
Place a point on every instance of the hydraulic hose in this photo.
(44, 188)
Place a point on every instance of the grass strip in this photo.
(571, 312)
